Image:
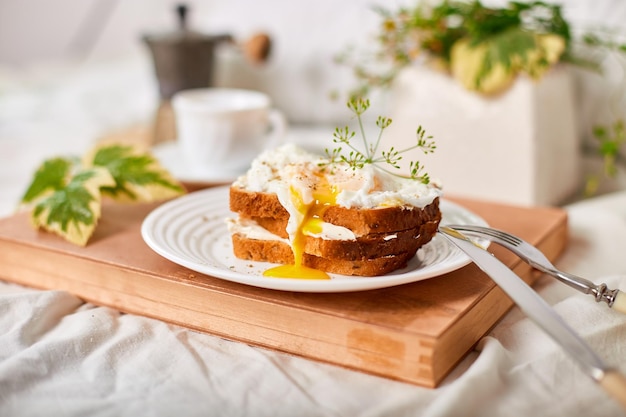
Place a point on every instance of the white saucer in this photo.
(171, 157)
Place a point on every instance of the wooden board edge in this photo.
(369, 348)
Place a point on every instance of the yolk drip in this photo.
(324, 195)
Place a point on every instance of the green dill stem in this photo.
(375, 148)
(346, 140)
(362, 129)
(422, 178)
(380, 134)
(410, 148)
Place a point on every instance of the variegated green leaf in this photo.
(52, 175)
(492, 65)
(66, 198)
(73, 209)
(138, 175)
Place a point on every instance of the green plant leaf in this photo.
(65, 198)
(138, 175)
(52, 175)
(428, 33)
(73, 209)
(490, 66)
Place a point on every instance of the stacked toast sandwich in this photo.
(294, 209)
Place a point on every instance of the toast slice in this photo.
(276, 251)
(266, 209)
(364, 247)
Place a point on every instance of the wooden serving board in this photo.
(415, 332)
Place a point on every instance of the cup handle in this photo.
(278, 129)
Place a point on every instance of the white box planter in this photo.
(519, 147)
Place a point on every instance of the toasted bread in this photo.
(279, 252)
(369, 246)
(269, 213)
(257, 204)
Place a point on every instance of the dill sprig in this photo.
(385, 161)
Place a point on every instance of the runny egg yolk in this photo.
(324, 195)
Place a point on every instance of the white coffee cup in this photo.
(221, 130)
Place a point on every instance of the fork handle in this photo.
(619, 302)
(578, 283)
(614, 298)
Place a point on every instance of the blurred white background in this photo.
(73, 70)
(300, 75)
(307, 36)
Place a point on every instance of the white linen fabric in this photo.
(62, 357)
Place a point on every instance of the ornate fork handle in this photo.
(615, 299)
(600, 292)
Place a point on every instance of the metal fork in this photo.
(535, 258)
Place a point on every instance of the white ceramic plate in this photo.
(191, 231)
(171, 157)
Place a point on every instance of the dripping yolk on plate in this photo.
(310, 218)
